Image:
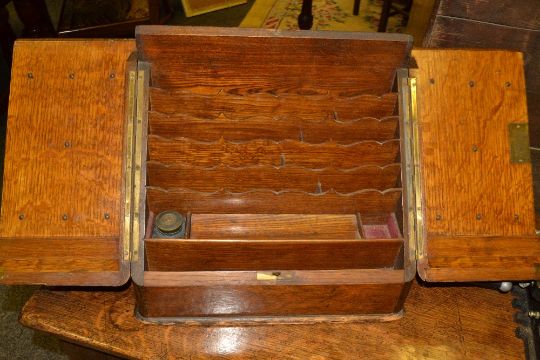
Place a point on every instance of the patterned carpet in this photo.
(327, 15)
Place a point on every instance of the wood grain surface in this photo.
(231, 59)
(61, 201)
(439, 323)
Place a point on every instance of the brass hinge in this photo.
(128, 165)
(411, 158)
(518, 138)
(133, 164)
(417, 170)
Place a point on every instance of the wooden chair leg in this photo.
(305, 19)
(35, 17)
(383, 23)
(7, 36)
(356, 8)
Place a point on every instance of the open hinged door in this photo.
(477, 221)
(62, 201)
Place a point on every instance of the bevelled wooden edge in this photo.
(481, 259)
(302, 277)
(233, 300)
(270, 320)
(145, 30)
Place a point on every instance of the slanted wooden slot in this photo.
(270, 202)
(272, 153)
(273, 178)
(267, 127)
(309, 108)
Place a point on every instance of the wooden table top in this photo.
(439, 323)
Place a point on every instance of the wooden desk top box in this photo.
(317, 172)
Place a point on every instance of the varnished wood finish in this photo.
(310, 107)
(494, 25)
(439, 322)
(278, 300)
(267, 152)
(281, 226)
(184, 58)
(306, 254)
(63, 165)
(478, 258)
(276, 179)
(269, 202)
(247, 294)
(266, 127)
(471, 189)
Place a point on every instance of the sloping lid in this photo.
(62, 189)
(478, 210)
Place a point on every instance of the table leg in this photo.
(35, 17)
(305, 19)
(356, 8)
(385, 13)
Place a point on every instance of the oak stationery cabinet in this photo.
(318, 172)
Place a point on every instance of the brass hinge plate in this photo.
(417, 170)
(133, 164)
(128, 163)
(518, 138)
(412, 169)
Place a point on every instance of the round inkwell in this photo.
(169, 224)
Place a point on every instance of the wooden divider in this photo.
(216, 255)
(269, 202)
(306, 107)
(267, 152)
(272, 178)
(267, 127)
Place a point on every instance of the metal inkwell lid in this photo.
(169, 222)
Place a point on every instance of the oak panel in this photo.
(277, 179)
(470, 186)
(64, 139)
